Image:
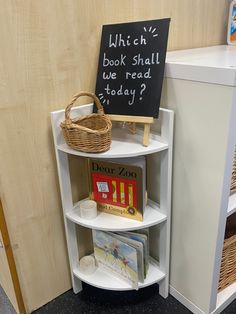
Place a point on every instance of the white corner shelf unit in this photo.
(157, 212)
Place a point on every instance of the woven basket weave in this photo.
(91, 133)
(233, 180)
(228, 263)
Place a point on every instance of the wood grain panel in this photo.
(5, 277)
(38, 65)
(49, 51)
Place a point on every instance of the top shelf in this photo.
(124, 144)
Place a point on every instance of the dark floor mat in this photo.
(92, 300)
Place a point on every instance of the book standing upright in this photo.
(119, 187)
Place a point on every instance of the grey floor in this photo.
(97, 301)
(5, 305)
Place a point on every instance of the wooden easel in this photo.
(147, 121)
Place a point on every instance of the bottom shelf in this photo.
(105, 280)
(225, 297)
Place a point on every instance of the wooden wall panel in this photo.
(5, 276)
(38, 58)
(49, 51)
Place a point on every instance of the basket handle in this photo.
(95, 98)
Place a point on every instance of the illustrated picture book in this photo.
(140, 252)
(124, 254)
(119, 187)
(116, 256)
(141, 238)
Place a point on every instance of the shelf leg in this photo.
(163, 288)
(77, 285)
(73, 254)
(165, 207)
(164, 260)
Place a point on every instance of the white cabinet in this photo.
(200, 86)
(157, 212)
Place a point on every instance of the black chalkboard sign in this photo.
(131, 67)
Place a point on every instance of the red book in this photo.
(119, 187)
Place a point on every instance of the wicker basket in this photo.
(228, 263)
(233, 180)
(91, 133)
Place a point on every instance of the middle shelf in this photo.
(109, 222)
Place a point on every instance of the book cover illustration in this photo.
(233, 24)
(139, 248)
(142, 238)
(116, 256)
(145, 232)
(118, 188)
